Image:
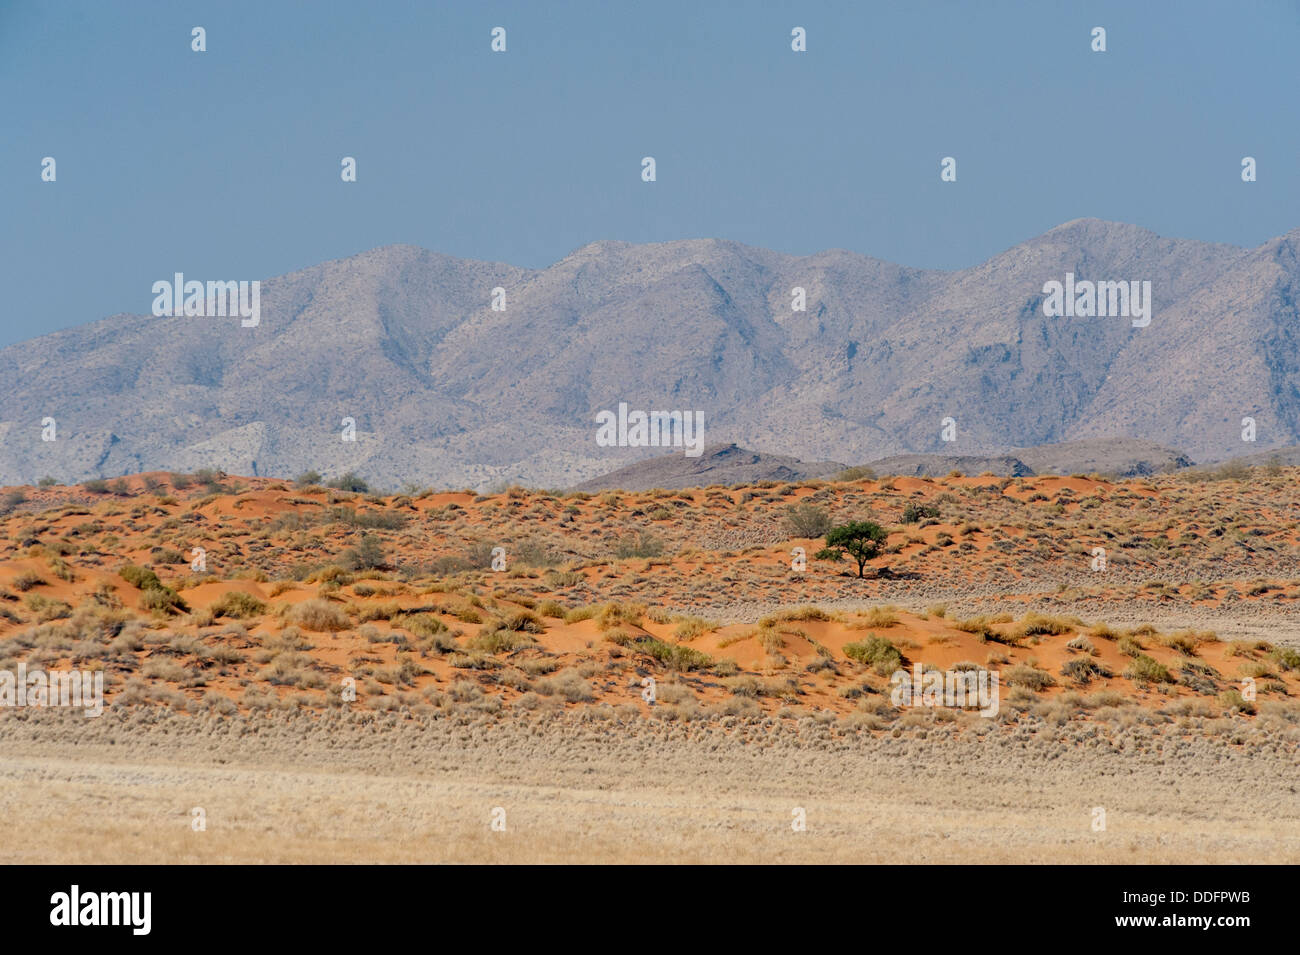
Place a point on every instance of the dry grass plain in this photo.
(294, 788)
(230, 684)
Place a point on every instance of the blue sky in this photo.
(225, 164)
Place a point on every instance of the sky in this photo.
(225, 164)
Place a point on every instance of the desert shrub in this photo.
(806, 612)
(330, 574)
(725, 668)
(308, 479)
(288, 639)
(806, 520)
(448, 564)
(524, 621)
(378, 611)
(367, 555)
(499, 641)
(1031, 678)
(96, 486)
(672, 655)
(47, 608)
(1083, 670)
(568, 685)
(156, 596)
(1199, 677)
(1233, 700)
(536, 553)
(1245, 648)
(380, 520)
(292, 669)
(1036, 624)
(27, 580)
(564, 578)
(210, 478)
(1185, 642)
(877, 652)
(1129, 646)
(225, 655)
(479, 555)
(139, 577)
(688, 628)
(753, 686)
(674, 693)
(349, 482)
(1082, 644)
(881, 617)
(915, 513)
(1145, 669)
(1287, 658)
(319, 615)
(640, 544)
(582, 613)
(424, 625)
(551, 608)
(238, 604)
(166, 669)
(619, 614)
(1255, 670)
(163, 600)
(982, 627)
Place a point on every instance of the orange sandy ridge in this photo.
(311, 597)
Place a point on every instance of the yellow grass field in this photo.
(295, 789)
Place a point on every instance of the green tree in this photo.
(861, 540)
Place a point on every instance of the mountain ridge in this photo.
(444, 390)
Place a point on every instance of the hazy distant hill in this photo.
(446, 391)
(939, 465)
(729, 464)
(723, 464)
(1286, 457)
(1120, 457)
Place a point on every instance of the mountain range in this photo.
(445, 390)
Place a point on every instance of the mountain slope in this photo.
(444, 390)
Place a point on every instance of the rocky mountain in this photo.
(445, 390)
